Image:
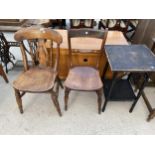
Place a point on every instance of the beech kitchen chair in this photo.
(84, 78)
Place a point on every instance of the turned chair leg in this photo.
(67, 91)
(2, 73)
(99, 95)
(19, 100)
(56, 103)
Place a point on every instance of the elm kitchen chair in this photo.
(38, 78)
(84, 78)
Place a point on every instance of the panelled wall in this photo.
(145, 32)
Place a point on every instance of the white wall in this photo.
(16, 50)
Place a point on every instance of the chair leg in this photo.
(67, 91)
(99, 25)
(60, 83)
(99, 94)
(6, 63)
(19, 100)
(56, 103)
(2, 73)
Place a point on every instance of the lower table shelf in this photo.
(122, 90)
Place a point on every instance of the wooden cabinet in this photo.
(78, 59)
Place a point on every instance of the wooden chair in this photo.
(85, 78)
(38, 78)
(133, 23)
(5, 54)
(58, 23)
(2, 73)
(114, 24)
(81, 23)
(36, 22)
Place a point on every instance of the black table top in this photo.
(130, 58)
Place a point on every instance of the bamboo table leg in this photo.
(149, 107)
(114, 79)
(141, 88)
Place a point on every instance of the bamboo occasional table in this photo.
(129, 59)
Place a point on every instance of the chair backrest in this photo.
(83, 34)
(81, 23)
(3, 41)
(116, 24)
(38, 42)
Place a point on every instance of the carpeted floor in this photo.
(40, 116)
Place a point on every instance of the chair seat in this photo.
(83, 78)
(37, 79)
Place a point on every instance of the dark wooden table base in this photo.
(149, 107)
